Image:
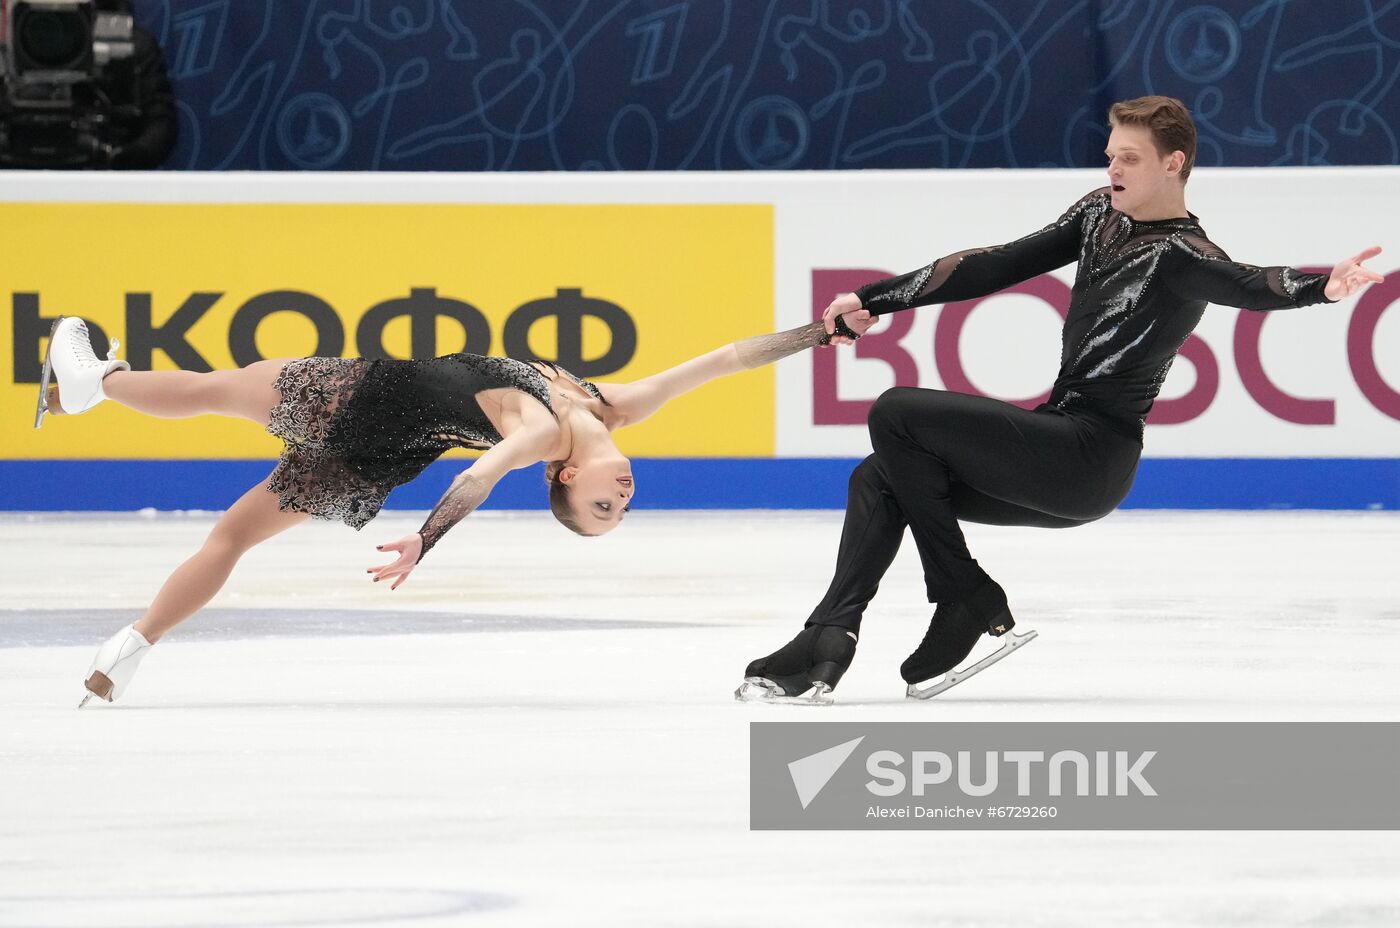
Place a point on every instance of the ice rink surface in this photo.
(539, 730)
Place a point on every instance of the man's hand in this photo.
(1349, 276)
(857, 320)
(843, 304)
(410, 547)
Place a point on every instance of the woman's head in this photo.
(1152, 145)
(590, 497)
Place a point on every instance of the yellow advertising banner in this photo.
(611, 292)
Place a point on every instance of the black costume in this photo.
(356, 428)
(1140, 289)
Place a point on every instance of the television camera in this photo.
(57, 58)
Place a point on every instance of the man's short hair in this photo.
(1169, 121)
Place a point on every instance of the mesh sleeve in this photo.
(765, 349)
(462, 498)
(1209, 275)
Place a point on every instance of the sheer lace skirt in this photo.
(312, 476)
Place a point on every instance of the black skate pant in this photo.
(943, 457)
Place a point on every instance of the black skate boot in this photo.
(812, 662)
(951, 636)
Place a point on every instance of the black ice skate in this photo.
(804, 671)
(951, 635)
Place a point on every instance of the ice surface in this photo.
(538, 729)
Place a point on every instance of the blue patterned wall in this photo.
(738, 84)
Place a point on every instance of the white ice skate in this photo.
(78, 371)
(1011, 642)
(115, 665)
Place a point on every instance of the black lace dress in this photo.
(355, 429)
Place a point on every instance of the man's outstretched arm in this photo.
(1229, 283)
(973, 273)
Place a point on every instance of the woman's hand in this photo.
(409, 548)
(846, 303)
(1349, 276)
(859, 322)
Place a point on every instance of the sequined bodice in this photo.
(1139, 291)
(405, 414)
(357, 428)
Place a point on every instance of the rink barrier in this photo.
(701, 483)
(643, 271)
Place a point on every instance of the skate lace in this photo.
(932, 624)
(82, 348)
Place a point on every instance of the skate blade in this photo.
(759, 689)
(45, 377)
(952, 678)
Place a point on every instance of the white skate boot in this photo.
(115, 665)
(78, 370)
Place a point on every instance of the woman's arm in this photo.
(638, 400)
(528, 444)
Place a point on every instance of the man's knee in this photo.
(868, 475)
(892, 408)
(1074, 513)
(1091, 513)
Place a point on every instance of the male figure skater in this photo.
(1146, 271)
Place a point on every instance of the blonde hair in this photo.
(1169, 121)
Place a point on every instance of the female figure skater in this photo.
(1146, 271)
(355, 429)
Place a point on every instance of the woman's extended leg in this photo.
(250, 521)
(254, 518)
(247, 392)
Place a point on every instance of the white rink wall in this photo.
(895, 221)
(1292, 409)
